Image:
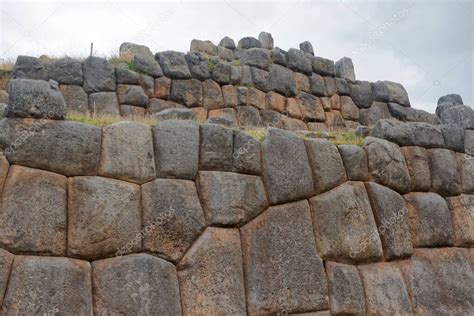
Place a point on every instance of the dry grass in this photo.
(104, 120)
(346, 138)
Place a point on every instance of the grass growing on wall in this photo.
(345, 138)
(104, 120)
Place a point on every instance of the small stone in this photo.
(216, 148)
(355, 162)
(282, 80)
(345, 69)
(173, 64)
(206, 47)
(249, 42)
(227, 42)
(186, 92)
(104, 103)
(256, 57)
(297, 60)
(248, 116)
(307, 47)
(417, 160)
(162, 88)
(198, 65)
(246, 157)
(362, 131)
(462, 212)
(212, 95)
(134, 95)
(99, 75)
(361, 93)
(445, 177)
(430, 220)
(266, 39)
(76, 99)
(317, 85)
(311, 108)
(349, 110)
(345, 289)
(66, 71)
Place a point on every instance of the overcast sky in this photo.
(425, 45)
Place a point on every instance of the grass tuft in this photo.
(346, 138)
(104, 120)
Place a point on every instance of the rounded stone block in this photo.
(103, 217)
(33, 212)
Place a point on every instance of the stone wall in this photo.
(184, 218)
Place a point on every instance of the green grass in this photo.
(104, 120)
(346, 138)
(258, 133)
(116, 61)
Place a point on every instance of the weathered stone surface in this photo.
(248, 116)
(307, 47)
(445, 177)
(417, 160)
(4, 165)
(186, 92)
(394, 131)
(36, 222)
(172, 217)
(173, 64)
(323, 66)
(27, 67)
(453, 136)
(345, 289)
(292, 124)
(387, 164)
(349, 110)
(362, 131)
(397, 93)
(220, 120)
(355, 162)
(286, 173)
(462, 213)
(426, 117)
(223, 114)
(126, 76)
(211, 276)
(430, 220)
(147, 65)
(104, 103)
(282, 80)
(345, 69)
(336, 102)
(293, 108)
(66, 71)
(466, 171)
(256, 57)
(222, 73)
(229, 95)
(230, 198)
(45, 286)
(99, 75)
(317, 85)
(35, 98)
(302, 82)
(452, 99)
(330, 85)
(297, 60)
(278, 56)
(462, 115)
(236, 74)
(342, 86)
(129, 50)
(148, 85)
(275, 102)
(212, 95)
(256, 98)
(6, 261)
(206, 47)
(130, 94)
(135, 284)
(260, 79)
(216, 148)
(278, 248)
(77, 153)
(334, 121)
(271, 118)
(361, 93)
(377, 111)
(385, 290)
(311, 108)
(246, 157)
(132, 111)
(469, 142)
(380, 91)
(76, 99)
(344, 226)
(391, 217)
(3, 97)
(440, 281)
(266, 39)
(198, 65)
(227, 42)
(225, 53)
(103, 217)
(249, 42)
(326, 164)
(127, 152)
(201, 114)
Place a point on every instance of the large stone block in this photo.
(377, 111)
(302, 82)
(33, 216)
(256, 57)
(6, 261)
(260, 79)
(172, 217)
(256, 98)
(76, 99)
(385, 290)
(227, 115)
(216, 148)
(462, 115)
(230, 198)
(249, 42)
(391, 216)
(394, 131)
(103, 217)
(35, 98)
(430, 220)
(462, 213)
(162, 88)
(345, 69)
(227, 42)
(286, 173)
(27, 67)
(129, 50)
(48, 286)
(425, 135)
(453, 136)
(131, 94)
(349, 110)
(440, 281)
(212, 95)
(173, 64)
(444, 168)
(469, 142)
(104, 103)
(345, 289)
(222, 73)
(298, 60)
(278, 248)
(344, 226)
(278, 56)
(266, 39)
(65, 147)
(4, 166)
(127, 152)
(147, 65)
(311, 108)
(246, 156)
(317, 85)
(466, 170)
(387, 164)
(323, 66)
(135, 284)
(275, 102)
(66, 71)
(355, 162)
(248, 116)
(186, 92)
(211, 276)
(326, 164)
(417, 160)
(229, 95)
(282, 80)
(330, 85)
(361, 93)
(99, 75)
(126, 76)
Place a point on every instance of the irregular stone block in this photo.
(430, 220)
(214, 257)
(342, 86)
(278, 248)
(385, 290)
(391, 217)
(227, 114)
(42, 286)
(336, 102)
(212, 95)
(355, 162)
(293, 108)
(229, 95)
(344, 226)
(129, 50)
(425, 117)
(76, 99)
(174, 114)
(77, 153)
(3, 97)
(132, 111)
(126, 76)
(440, 281)
(173, 64)
(462, 115)
(148, 85)
(326, 164)
(361, 93)
(397, 93)
(260, 79)
(275, 102)
(246, 157)
(199, 65)
(380, 91)
(426, 135)
(317, 85)
(462, 212)
(469, 142)
(4, 165)
(345, 289)
(282, 80)
(33, 217)
(222, 73)
(35, 98)
(266, 39)
(201, 114)
(248, 116)
(6, 261)
(402, 113)
(216, 148)
(249, 42)
(117, 281)
(349, 110)
(302, 82)
(103, 217)
(172, 217)
(292, 124)
(27, 67)
(345, 69)
(227, 42)
(225, 53)
(377, 111)
(236, 74)
(130, 94)
(99, 75)
(297, 60)
(286, 173)
(311, 108)
(104, 103)
(230, 198)
(444, 168)
(256, 57)
(394, 131)
(453, 136)
(242, 95)
(387, 164)
(334, 120)
(256, 98)
(278, 56)
(127, 152)
(186, 92)
(206, 47)
(323, 66)
(466, 171)
(417, 160)
(147, 65)
(271, 118)
(66, 71)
